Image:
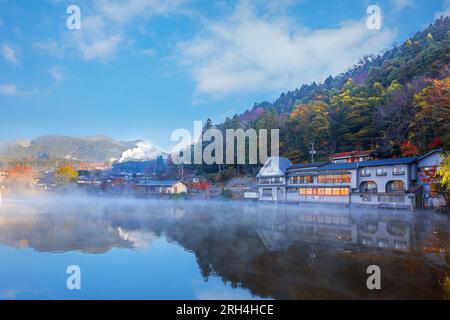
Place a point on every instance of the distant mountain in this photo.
(87, 149)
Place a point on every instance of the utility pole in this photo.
(182, 165)
(312, 152)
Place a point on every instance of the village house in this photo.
(272, 179)
(160, 187)
(3, 176)
(352, 156)
(397, 182)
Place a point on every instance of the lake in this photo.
(148, 249)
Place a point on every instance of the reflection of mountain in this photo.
(274, 251)
(56, 232)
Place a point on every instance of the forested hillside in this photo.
(397, 103)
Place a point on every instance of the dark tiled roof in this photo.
(430, 153)
(158, 183)
(338, 166)
(387, 162)
(306, 165)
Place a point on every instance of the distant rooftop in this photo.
(158, 183)
(355, 154)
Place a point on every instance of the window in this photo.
(328, 192)
(395, 186)
(264, 181)
(368, 186)
(398, 171)
(381, 172)
(301, 180)
(277, 180)
(267, 192)
(365, 173)
(334, 178)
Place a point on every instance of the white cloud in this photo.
(122, 11)
(56, 74)
(10, 54)
(104, 31)
(11, 90)
(148, 52)
(50, 47)
(249, 52)
(399, 5)
(446, 10)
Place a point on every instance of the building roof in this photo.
(158, 183)
(338, 166)
(430, 153)
(306, 165)
(274, 167)
(387, 162)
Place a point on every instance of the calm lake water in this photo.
(144, 249)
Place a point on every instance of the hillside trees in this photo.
(433, 117)
(444, 178)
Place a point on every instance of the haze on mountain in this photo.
(86, 149)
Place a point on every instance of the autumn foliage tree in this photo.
(409, 149)
(444, 178)
(66, 174)
(433, 118)
(21, 176)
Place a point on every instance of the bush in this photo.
(226, 194)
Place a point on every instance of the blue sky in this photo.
(143, 68)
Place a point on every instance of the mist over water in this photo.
(161, 249)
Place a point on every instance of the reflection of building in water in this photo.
(385, 234)
(274, 251)
(278, 235)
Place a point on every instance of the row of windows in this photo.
(391, 186)
(334, 178)
(382, 172)
(323, 191)
(271, 181)
(324, 179)
(301, 180)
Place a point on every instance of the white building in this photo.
(272, 179)
(396, 182)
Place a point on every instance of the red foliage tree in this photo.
(435, 143)
(409, 149)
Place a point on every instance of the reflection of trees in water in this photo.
(274, 251)
(305, 269)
